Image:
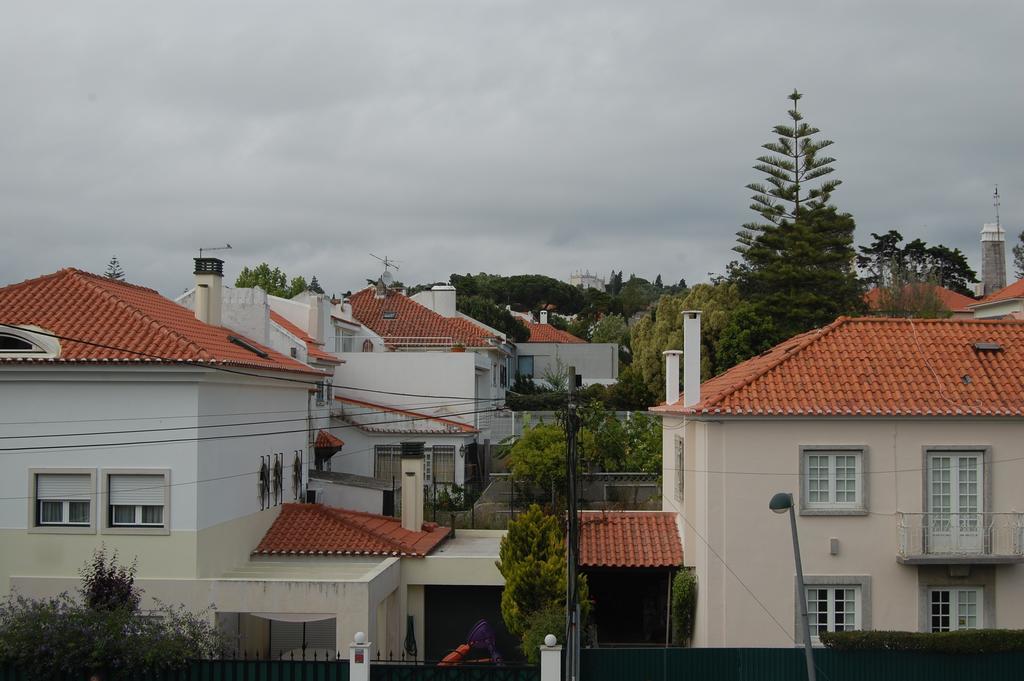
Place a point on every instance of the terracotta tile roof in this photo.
(413, 321)
(1014, 290)
(545, 333)
(953, 301)
(325, 440)
(418, 421)
(142, 324)
(313, 349)
(303, 529)
(629, 539)
(877, 366)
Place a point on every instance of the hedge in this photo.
(953, 642)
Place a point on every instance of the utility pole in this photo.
(572, 605)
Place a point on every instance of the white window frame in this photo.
(832, 507)
(44, 345)
(108, 525)
(954, 603)
(861, 584)
(830, 607)
(34, 526)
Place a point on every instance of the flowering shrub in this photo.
(64, 636)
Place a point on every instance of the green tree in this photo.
(483, 310)
(1018, 257)
(663, 330)
(532, 559)
(610, 329)
(114, 270)
(102, 631)
(314, 286)
(539, 456)
(915, 261)
(272, 280)
(798, 264)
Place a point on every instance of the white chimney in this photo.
(543, 316)
(319, 314)
(691, 357)
(672, 375)
(412, 486)
(209, 289)
(444, 300)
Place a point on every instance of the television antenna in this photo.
(225, 247)
(389, 263)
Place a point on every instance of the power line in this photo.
(11, 450)
(191, 427)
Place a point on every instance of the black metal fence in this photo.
(434, 671)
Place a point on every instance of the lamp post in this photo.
(780, 503)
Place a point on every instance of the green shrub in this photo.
(684, 605)
(975, 641)
(540, 624)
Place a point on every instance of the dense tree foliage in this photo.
(797, 269)
(532, 559)
(663, 330)
(483, 310)
(272, 280)
(102, 631)
(886, 259)
(522, 291)
(314, 286)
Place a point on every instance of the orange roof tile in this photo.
(138, 324)
(629, 539)
(951, 300)
(324, 530)
(413, 320)
(545, 333)
(1014, 290)
(877, 366)
(325, 440)
(313, 349)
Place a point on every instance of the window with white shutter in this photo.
(136, 500)
(63, 499)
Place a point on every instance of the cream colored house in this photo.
(900, 440)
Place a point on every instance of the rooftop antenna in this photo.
(225, 247)
(389, 263)
(995, 202)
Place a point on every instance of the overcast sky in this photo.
(496, 136)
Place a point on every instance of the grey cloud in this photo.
(495, 136)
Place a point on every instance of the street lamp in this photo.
(780, 503)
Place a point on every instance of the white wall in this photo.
(999, 309)
(593, 361)
(55, 401)
(351, 497)
(357, 455)
(233, 462)
(448, 374)
(243, 310)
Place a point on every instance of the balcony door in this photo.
(955, 503)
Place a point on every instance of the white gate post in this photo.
(550, 659)
(359, 658)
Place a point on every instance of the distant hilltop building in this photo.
(587, 280)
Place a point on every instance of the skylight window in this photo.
(241, 342)
(389, 314)
(27, 342)
(9, 343)
(988, 347)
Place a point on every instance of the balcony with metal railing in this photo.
(368, 343)
(960, 538)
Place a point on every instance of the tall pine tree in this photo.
(114, 270)
(797, 271)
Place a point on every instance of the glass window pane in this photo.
(940, 610)
(78, 512)
(152, 515)
(51, 512)
(124, 515)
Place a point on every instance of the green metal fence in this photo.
(787, 664)
(231, 670)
